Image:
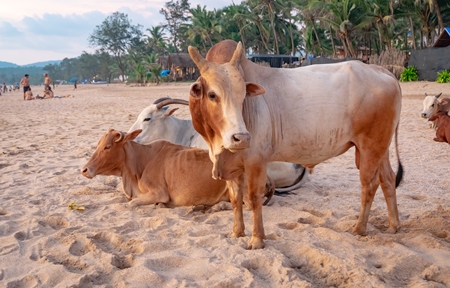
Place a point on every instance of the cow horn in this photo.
(171, 101)
(437, 96)
(235, 60)
(120, 137)
(197, 58)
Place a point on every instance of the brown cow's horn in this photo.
(120, 137)
(197, 58)
(171, 101)
(236, 59)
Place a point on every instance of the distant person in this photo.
(29, 95)
(26, 85)
(4, 88)
(47, 81)
(75, 85)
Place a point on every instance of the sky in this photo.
(35, 31)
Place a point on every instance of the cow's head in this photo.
(109, 157)
(430, 105)
(216, 102)
(154, 121)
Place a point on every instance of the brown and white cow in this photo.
(431, 106)
(305, 115)
(161, 172)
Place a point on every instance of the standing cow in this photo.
(305, 115)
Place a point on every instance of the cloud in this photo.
(63, 25)
(7, 30)
(60, 31)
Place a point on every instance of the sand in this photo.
(44, 143)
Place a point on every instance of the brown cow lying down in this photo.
(160, 172)
(443, 126)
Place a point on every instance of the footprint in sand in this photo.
(27, 281)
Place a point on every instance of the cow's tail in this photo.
(399, 176)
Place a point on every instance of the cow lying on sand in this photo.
(161, 172)
(431, 106)
(443, 126)
(303, 115)
(157, 122)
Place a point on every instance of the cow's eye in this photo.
(212, 96)
(107, 147)
(147, 119)
(432, 105)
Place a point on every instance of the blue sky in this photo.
(34, 31)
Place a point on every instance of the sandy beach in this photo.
(43, 243)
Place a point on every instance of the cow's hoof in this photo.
(256, 243)
(361, 231)
(237, 234)
(392, 230)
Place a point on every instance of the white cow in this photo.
(432, 104)
(157, 122)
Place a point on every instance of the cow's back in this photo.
(307, 115)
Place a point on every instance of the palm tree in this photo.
(156, 70)
(157, 40)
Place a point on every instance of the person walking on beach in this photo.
(74, 85)
(47, 81)
(26, 85)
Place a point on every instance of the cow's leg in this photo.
(387, 182)
(368, 175)
(256, 178)
(150, 197)
(236, 188)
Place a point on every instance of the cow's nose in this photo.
(85, 172)
(240, 140)
(424, 115)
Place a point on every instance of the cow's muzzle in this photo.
(240, 141)
(424, 115)
(86, 172)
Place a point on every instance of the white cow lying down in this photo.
(157, 122)
(431, 106)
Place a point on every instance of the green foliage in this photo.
(116, 35)
(443, 77)
(409, 74)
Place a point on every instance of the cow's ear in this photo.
(132, 135)
(444, 102)
(169, 112)
(196, 90)
(254, 89)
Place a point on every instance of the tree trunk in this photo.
(292, 37)
(274, 34)
(439, 16)
(380, 37)
(317, 36)
(413, 35)
(332, 43)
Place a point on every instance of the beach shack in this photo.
(182, 67)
